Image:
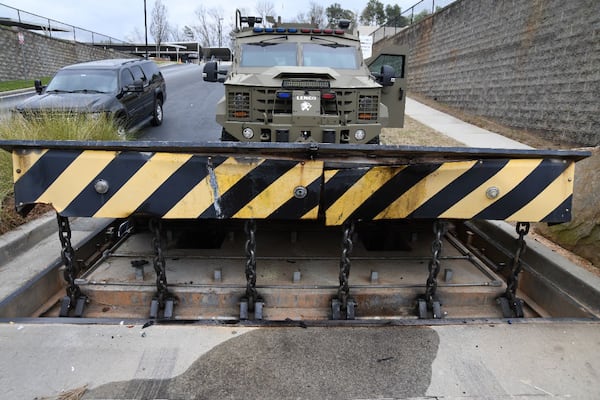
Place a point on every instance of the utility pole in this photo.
(146, 28)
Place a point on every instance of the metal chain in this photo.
(347, 247)
(159, 261)
(512, 282)
(439, 228)
(250, 248)
(68, 255)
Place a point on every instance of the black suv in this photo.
(131, 91)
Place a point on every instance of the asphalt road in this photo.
(190, 107)
(189, 110)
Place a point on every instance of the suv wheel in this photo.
(121, 123)
(157, 114)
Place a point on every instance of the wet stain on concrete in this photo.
(313, 363)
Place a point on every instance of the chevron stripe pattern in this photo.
(118, 184)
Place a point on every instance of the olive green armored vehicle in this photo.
(298, 83)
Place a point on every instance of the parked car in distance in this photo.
(132, 91)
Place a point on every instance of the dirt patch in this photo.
(416, 134)
(10, 219)
(523, 136)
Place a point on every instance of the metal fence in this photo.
(10, 16)
(408, 17)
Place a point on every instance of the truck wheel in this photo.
(157, 114)
(227, 137)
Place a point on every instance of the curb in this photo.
(579, 283)
(26, 236)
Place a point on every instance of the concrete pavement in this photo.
(474, 361)
(452, 360)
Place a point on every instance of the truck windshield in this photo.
(268, 54)
(86, 81)
(329, 55)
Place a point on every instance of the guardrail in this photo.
(12, 16)
(407, 17)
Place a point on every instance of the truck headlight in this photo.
(360, 134)
(248, 133)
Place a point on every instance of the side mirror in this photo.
(136, 86)
(210, 73)
(38, 86)
(387, 76)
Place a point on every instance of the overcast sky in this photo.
(120, 18)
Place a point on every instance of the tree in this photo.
(422, 15)
(393, 15)
(315, 15)
(373, 14)
(159, 25)
(135, 36)
(210, 28)
(265, 9)
(188, 33)
(335, 12)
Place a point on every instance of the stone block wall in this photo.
(528, 64)
(40, 55)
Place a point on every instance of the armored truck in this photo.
(301, 83)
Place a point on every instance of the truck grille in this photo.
(368, 108)
(238, 105)
(266, 104)
(304, 84)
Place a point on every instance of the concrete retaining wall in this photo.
(532, 64)
(41, 55)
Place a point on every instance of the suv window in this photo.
(138, 74)
(126, 77)
(150, 70)
(76, 80)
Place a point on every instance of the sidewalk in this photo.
(470, 135)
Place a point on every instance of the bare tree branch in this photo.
(159, 25)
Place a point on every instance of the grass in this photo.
(15, 127)
(20, 84)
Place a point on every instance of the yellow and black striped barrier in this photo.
(332, 182)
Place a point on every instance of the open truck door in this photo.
(393, 81)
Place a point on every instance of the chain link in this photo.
(68, 255)
(513, 279)
(347, 247)
(159, 261)
(251, 293)
(439, 228)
